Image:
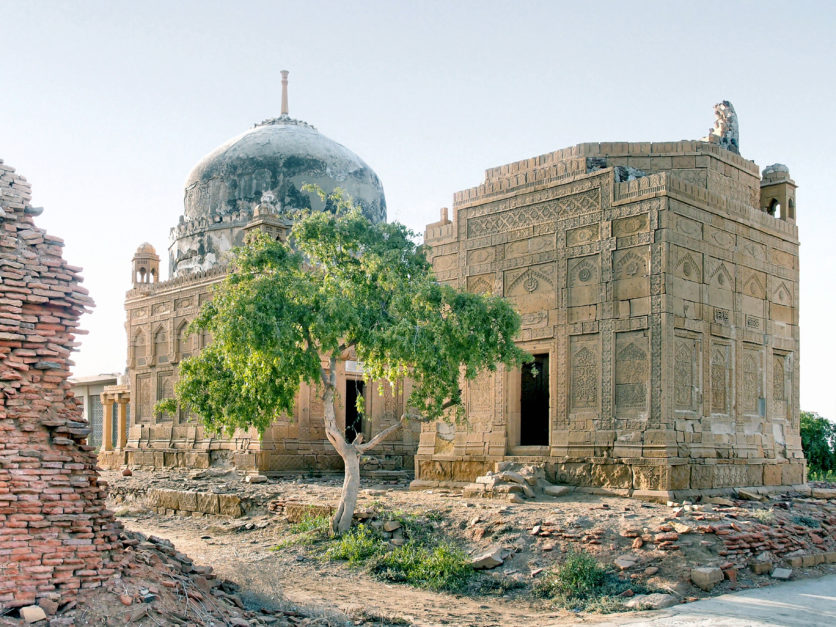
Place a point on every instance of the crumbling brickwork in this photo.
(56, 536)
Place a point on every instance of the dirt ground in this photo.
(663, 541)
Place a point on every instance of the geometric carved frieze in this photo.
(566, 206)
(632, 370)
(630, 225)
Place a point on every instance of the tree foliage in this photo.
(818, 440)
(341, 283)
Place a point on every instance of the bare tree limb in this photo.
(362, 448)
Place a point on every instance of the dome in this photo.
(145, 249)
(279, 155)
(274, 159)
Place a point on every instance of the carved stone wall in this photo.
(157, 317)
(55, 534)
(667, 300)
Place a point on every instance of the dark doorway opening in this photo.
(534, 402)
(353, 418)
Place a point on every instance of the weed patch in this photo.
(581, 583)
(766, 516)
(424, 559)
(309, 530)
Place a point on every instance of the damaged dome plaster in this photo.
(277, 156)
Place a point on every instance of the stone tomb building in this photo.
(250, 182)
(658, 289)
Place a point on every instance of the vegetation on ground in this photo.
(818, 440)
(765, 516)
(339, 287)
(425, 559)
(580, 583)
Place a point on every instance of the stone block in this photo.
(706, 577)
(207, 502)
(230, 505)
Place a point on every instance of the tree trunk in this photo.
(349, 451)
(341, 522)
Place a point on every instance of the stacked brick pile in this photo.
(56, 536)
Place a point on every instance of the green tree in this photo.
(818, 440)
(287, 312)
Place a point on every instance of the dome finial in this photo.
(284, 92)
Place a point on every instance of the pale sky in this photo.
(106, 106)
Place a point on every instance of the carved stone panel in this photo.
(584, 276)
(529, 246)
(687, 264)
(585, 372)
(480, 393)
(782, 293)
(630, 225)
(632, 369)
(443, 263)
(480, 284)
(165, 389)
(143, 401)
(582, 235)
(689, 227)
(719, 273)
(686, 377)
(532, 288)
(753, 283)
(721, 378)
(779, 378)
(631, 268)
(752, 383)
(481, 255)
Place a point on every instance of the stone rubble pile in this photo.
(514, 482)
(56, 536)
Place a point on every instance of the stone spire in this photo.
(284, 92)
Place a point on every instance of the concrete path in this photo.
(802, 603)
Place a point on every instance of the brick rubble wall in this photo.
(56, 536)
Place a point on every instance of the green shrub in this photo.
(581, 583)
(579, 576)
(806, 521)
(440, 567)
(356, 545)
(307, 531)
(818, 440)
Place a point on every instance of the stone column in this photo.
(122, 424)
(107, 425)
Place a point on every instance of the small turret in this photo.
(146, 265)
(778, 192)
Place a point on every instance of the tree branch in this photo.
(362, 448)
